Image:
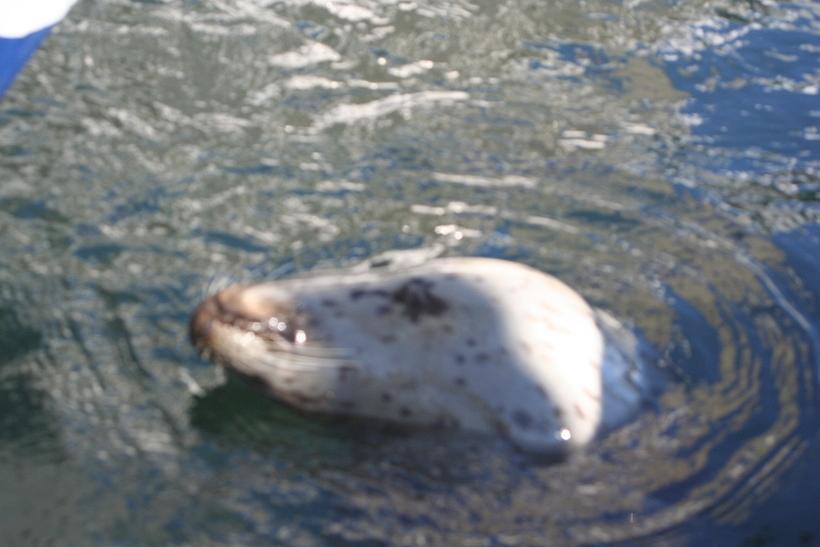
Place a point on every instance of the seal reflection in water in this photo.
(480, 344)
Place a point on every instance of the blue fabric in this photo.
(14, 52)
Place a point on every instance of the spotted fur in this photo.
(489, 345)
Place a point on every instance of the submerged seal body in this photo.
(481, 344)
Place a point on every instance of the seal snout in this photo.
(243, 308)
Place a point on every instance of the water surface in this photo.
(660, 156)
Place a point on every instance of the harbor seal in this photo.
(480, 344)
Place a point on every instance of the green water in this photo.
(661, 157)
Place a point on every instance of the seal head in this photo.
(482, 344)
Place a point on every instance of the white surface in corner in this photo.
(19, 18)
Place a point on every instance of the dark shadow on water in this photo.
(235, 413)
(16, 339)
(237, 416)
(26, 428)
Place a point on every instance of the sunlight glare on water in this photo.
(660, 157)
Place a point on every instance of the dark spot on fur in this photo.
(459, 359)
(459, 381)
(471, 342)
(328, 302)
(447, 328)
(404, 411)
(522, 419)
(594, 396)
(418, 299)
(482, 357)
(383, 310)
(386, 397)
(356, 294)
(346, 372)
(579, 411)
(388, 338)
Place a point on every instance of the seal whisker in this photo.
(301, 362)
(309, 352)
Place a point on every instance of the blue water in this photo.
(660, 157)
